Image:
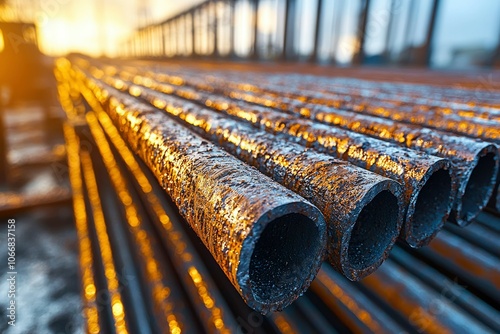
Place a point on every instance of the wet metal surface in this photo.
(340, 190)
(204, 181)
(446, 286)
(409, 167)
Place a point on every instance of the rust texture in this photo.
(240, 215)
(423, 218)
(472, 160)
(207, 300)
(307, 89)
(347, 195)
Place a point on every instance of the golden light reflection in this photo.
(2, 43)
(174, 236)
(86, 261)
(348, 302)
(104, 244)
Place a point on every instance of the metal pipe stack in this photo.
(255, 194)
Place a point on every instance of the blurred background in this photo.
(323, 36)
(441, 34)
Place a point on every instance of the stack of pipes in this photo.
(275, 173)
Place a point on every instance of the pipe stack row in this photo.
(269, 192)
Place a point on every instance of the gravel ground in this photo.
(47, 284)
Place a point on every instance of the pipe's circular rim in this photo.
(418, 234)
(298, 269)
(475, 199)
(384, 190)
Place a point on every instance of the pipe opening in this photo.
(374, 231)
(478, 187)
(283, 257)
(433, 203)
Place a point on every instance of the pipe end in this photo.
(473, 196)
(430, 207)
(282, 256)
(374, 231)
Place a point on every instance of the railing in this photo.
(324, 31)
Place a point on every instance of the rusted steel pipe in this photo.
(312, 98)
(425, 309)
(252, 213)
(90, 310)
(439, 100)
(163, 290)
(421, 115)
(426, 179)
(360, 232)
(474, 163)
(350, 305)
(208, 302)
(447, 287)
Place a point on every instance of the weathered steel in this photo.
(474, 163)
(163, 290)
(438, 118)
(360, 232)
(252, 212)
(426, 179)
(475, 121)
(208, 302)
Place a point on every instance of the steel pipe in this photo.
(348, 303)
(90, 307)
(252, 213)
(474, 163)
(360, 233)
(426, 179)
(424, 308)
(421, 115)
(120, 322)
(447, 287)
(478, 268)
(208, 302)
(163, 289)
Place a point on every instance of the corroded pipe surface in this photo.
(361, 208)
(309, 91)
(426, 179)
(477, 118)
(261, 234)
(208, 302)
(474, 162)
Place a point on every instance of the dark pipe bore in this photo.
(283, 256)
(432, 206)
(374, 230)
(478, 188)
